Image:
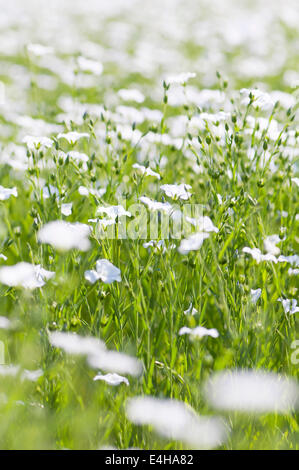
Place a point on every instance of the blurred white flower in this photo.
(180, 79)
(25, 275)
(258, 256)
(192, 243)
(270, 245)
(5, 323)
(73, 137)
(105, 271)
(293, 260)
(49, 191)
(112, 379)
(252, 391)
(261, 99)
(177, 421)
(37, 143)
(255, 295)
(39, 50)
(83, 191)
(177, 191)
(113, 211)
(155, 205)
(146, 171)
(199, 332)
(117, 362)
(131, 95)
(5, 193)
(203, 224)
(289, 305)
(190, 310)
(65, 236)
(66, 209)
(75, 344)
(91, 66)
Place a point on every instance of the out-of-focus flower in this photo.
(190, 310)
(192, 243)
(73, 137)
(255, 295)
(252, 391)
(25, 275)
(37, 143)
(5, 193)
(146, 171)
(258, 256)
(199, 332)
(131, 95)
(177, 421)
(180, 79)
(65, 236)
(289, 305)
(39, 50)
(66, 209)
(105, 271)
(113, 211)
(177, 191)
(91, 66)
(112, 379)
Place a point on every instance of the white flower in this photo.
(65, 236)
(270, 245)
(112, 379)
(261, 99)
(26, 275)
(37, 143)
(158, 245)
(155, 205)
(78, 156)
(5, 323)
(31, 375)
(5, 193)
(251, 391)
(75, 344)
(293, 272)
(180, 79)
(66, 209)
(87, 65)
(39, 49)
(199, 332)
(131, 95)
(177, 191)
(293, 260)
(113, 211)
(105, 271)
(289, 305)
(203, 224)
(258, 256)
(190, 310)
(177, 421)
(255, 295)
(95, 192)
(97, 355)
(146, 171)
(49, 191)
(192, 243)
(114, 361)
(73, 137)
